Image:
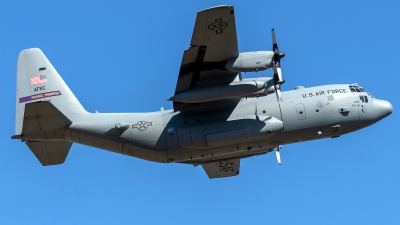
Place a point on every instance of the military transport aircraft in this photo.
(218, 117)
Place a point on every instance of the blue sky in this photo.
(124, 56)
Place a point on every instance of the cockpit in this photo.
(356, 88)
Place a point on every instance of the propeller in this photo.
(276, 64)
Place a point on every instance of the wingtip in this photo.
(217, 7)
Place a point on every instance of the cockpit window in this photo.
(368, 93)
(356, 88)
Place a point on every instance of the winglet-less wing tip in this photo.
(216, 7)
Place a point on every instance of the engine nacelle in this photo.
(244, 88)
(250, 61)
(268, 89)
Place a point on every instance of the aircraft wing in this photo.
(215, 29)
(222, 169)
(214, 41)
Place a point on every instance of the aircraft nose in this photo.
(382, 109)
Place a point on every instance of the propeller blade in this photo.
(278, 81)
(277, 54)
(278, 155)
(275, 71)
(278, 93)
(276, 64)
(274, 44)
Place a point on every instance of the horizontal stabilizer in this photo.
(50, 152)
(43, 116)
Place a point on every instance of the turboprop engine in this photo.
(251, 61)
(252, 87)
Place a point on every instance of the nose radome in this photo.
(382, 109)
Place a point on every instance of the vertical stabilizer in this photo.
(37, 80)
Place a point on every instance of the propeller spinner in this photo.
(276, 63)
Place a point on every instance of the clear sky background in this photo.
(124, 56)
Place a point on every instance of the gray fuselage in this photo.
(247, 127)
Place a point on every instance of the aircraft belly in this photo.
(225, 132)
(306, 134)
(144, 153)
(242, 150)
(148, 150)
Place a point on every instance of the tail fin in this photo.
(44, 107)
(37, 80)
